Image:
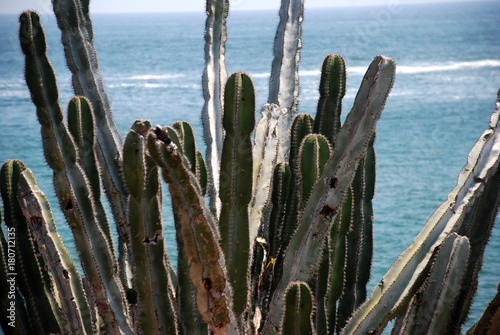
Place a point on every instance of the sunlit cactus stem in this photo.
(331, 92)
(236, 183)
(298, 310)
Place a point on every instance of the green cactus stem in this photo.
(74, 308)
(196, 222)
(359, 239)
(431, 304)
(404, 276)
(324, 203)
(81, 126)
(298, 310)
(151, 277)
(135, 173)
(314, 152)
(71, 184)
(331, 92)
(77, 37)
(33, 285)
(236, 183)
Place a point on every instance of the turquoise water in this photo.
(448, 74)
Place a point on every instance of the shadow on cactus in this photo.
(273, 225)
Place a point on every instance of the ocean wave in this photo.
(156, 76)
(424, 68)
(153, 85)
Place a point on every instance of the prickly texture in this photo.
(298, 310)
(404, 276)
(477, 226)
(200, 244)
(77, 38)
(82, 127)
(430, 306)
(236, 183)
(337, 254)
(359, 239)
(213, 80)
(281, 189)
(70, 182)
(151, 272)
(74, 307)
(29, 277)
(302, 127)
(325, 201)
(201, 172)
(135, 173)
(284, 79)
(270, 131)
(314, 152)
(331, 92)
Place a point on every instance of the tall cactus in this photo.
(273, 230)
(236, 180)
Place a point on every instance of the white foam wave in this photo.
(154, 85)
(424, 68)
(156, 76)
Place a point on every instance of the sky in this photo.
(134, 6)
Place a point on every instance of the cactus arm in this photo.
(189, 320)
(188, 143)
(272, 128)
(477, 226)
(200, 245)
(236, 183)
(314, 152)
(359, 243)
(281, 188)
(284, 79)
(366, 251)
(161, 274)
(70, 182)
(214, 78)
(134, 168)
(430, 306)
(331, 92)
(327, 196)
(489, 322)
(152, 281)
(298, 310)
(201, 172)
(35, 206)
(31, 282)
(81, 126)
(403, 275)
(77, 37)
(302, 126)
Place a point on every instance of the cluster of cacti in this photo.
(284, 242)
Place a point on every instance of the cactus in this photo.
(273, 229)
(297, 315)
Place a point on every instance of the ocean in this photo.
(448, 74)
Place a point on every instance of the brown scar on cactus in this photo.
(328, 212)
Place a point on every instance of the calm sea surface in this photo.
(448, 74)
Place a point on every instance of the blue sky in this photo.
(127, 6)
